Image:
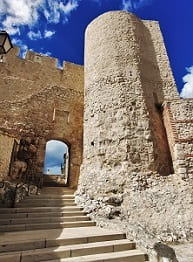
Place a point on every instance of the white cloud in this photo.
(55, 147)
(69, 7)
(23, 47)
(57, 10)
(49, 34)
(127, 5)
(187, 90)
(132, 5)
(46, 53)
(54, 155)
(34, 35)
(17, 13)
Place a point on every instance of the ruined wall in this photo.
(127, 175)
(42, 102)
(178, 116)
(6, 147)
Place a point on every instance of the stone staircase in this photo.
(50, 227)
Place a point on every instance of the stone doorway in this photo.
(56, 163)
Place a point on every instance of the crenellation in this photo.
(41, 59)
(14, 51)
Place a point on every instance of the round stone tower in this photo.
(127, 77)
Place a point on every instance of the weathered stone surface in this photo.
(179, 126)
(137, 164)
(6, 146)
(42, 102)
(128, 166)
(12, 193)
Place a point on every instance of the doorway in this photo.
(56, 163)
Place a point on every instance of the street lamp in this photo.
(5, 43)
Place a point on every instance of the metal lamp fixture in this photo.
(5, 43)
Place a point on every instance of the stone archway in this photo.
(56, 163)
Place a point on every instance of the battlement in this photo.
(41, 59)
(34, 72)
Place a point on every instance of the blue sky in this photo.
(56, 28)
(54, 156)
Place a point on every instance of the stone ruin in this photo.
(135, 146)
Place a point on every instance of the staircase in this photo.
(50, 227)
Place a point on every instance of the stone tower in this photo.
(138, 144)
(127, 78)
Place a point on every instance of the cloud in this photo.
(38, 35)
(14, 13)
(34, 35)
(23, 47)
(46, 53)
(69, 7)
(187, 90)
(17, 13)
(57, 10)
(54, 155)
(132, 5)
(49, 34)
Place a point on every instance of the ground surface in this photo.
(184, 252)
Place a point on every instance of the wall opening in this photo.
(56, 163)
(165, 159)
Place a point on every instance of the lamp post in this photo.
(5, 43)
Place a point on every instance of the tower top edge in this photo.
(120, 13)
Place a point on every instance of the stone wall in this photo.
(127, 171)
(6, 147)
(178, 117)
(12, 193)
(123, 128)
(39, 101)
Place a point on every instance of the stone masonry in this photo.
(6, 146)
(137, 159)
(40, 102)
(134, 149)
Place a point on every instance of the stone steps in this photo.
(122, 256)
(48, 196)
(41, 215)
(37, 220)
(42, 228)
(39, 209)
(57, 190)
(28, 240)
(46, 203)
(75, 250)
(23, 227)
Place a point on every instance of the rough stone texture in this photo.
(41, 102)
(184, 252)
(127, 171)
(12, 193)
(138, 146)
(178, 118)
(121, 128)
(6, 146)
